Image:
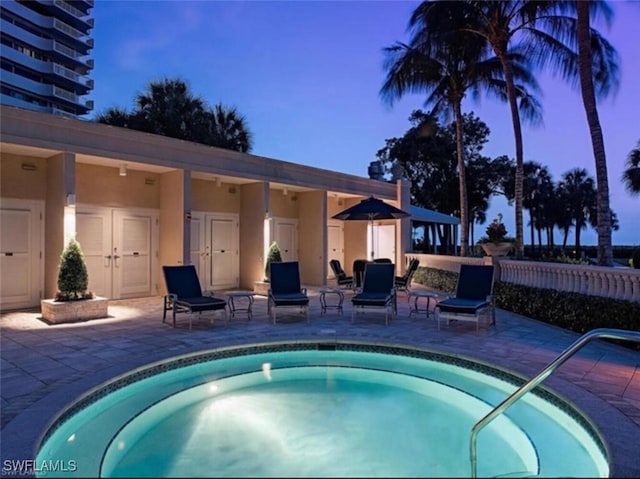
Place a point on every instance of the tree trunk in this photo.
(464, 223)
(517, 132)
(605, 249)
(531, 230)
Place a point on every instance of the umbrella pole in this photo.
(373, 249)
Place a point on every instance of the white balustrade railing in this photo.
(609, 282)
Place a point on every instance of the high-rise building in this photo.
(45, 55)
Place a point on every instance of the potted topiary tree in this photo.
(272, 255)
(496, 242)
(73, 302)
(73, 278)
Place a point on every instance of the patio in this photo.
(46, 367)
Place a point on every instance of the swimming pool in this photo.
(324, 409)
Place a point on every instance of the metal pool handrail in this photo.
(541, 376)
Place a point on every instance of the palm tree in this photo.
(605, 69)
(538, 28)
(116, 117)
(167, 107)
(581, 200)
(228, 129)
(631, 175)
(562, 215)
(536, 183)
(445, 65)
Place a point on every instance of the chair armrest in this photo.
(172, 297)
(303, 291)
(208, 293)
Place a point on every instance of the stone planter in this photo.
(497, 249)
(261, 287)
(56, 312)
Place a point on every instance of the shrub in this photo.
(272, 255)
(73, 278)
(437, 279)
(575, 312)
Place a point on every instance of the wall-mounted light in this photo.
(218, 182)
(123, 169)
(29, 166)
(70, 200)
(285, 192)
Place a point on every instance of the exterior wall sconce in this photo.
(28, 166)
(123, 169)
(285, 191)
(218, 182)
(70, 200)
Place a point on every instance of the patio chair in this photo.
(378, 290)
(184, 294)
(285, 289)
(341, 277)
(474, 297)
(403, 283)
(383, 260)
(358, 272)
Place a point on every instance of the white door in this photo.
(335, 243)
(21, 246)
(222, 243)
(120, 249)
(93, 232)
(215, 249)
(286, 235)
(384, 242)
(198, 254)
(132, 254)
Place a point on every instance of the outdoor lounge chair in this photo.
(403, 283)
(184, 294)
(285, 289)
(474, 296)
(358, 272)
(341, 277)
(378, 290)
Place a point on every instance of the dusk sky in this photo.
(307, 74)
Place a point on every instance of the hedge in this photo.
(573, 311)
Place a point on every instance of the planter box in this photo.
(497, 249)
(261, 288)
(71, 311)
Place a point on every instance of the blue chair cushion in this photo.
(290, 299)
(458, 305)
(202, 303)
(371, 299)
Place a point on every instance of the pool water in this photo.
(372, 411)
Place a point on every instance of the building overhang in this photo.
(44, 135)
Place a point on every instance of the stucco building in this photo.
(137, 201)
